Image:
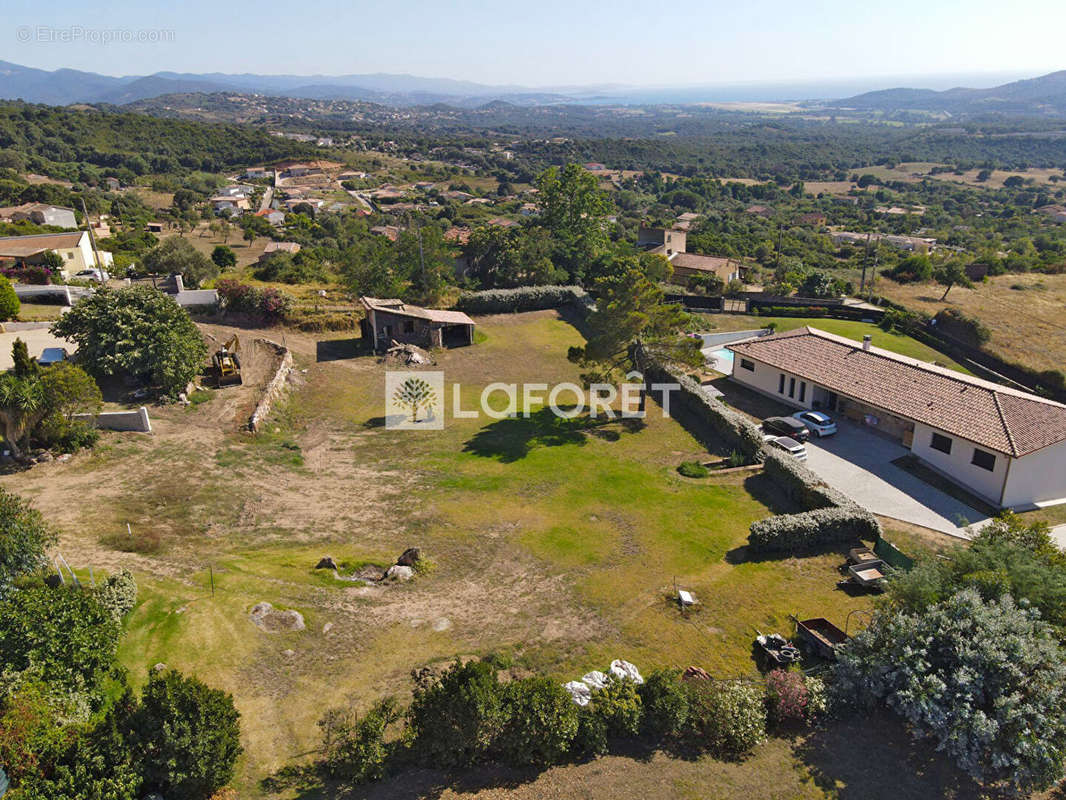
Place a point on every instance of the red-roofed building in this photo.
(1004, 445)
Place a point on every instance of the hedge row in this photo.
(737, 430)
(823, 526)
(801, 484)
(525, 298)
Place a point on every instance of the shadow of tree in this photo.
(511, 439)
(871, 756)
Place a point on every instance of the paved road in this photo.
(36, 341)
(858, 463)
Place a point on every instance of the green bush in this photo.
(800, 483)
(812, 529)
(542, 722)
(185, 736)
(613, 712)
(118, 594)
(693, 469)
(455, 721)
(355, 748)
(9, 302)
(525, 298)
(665, 701)
(727, 717)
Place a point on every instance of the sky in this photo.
(550, 42)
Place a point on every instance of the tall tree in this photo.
(574, 210)
(951, 274)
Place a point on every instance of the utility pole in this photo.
(92, 238)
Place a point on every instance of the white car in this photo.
(790, 446)
(817, 422)
(93, 275)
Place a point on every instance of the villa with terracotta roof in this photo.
(389, 321)
(1004, 445)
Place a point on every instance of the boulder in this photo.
(326, 562)
(410, 557)
(398, 572)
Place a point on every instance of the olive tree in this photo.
(983, 680)
(137, 332)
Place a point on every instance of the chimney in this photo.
(866, 342)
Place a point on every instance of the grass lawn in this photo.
(38, 312)
(561, 544)
(895, 342)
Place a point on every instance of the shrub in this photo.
(271, 304)
(541, 724)
(25, 540)
(986, 681)
(968, 329)
(812, 529)
(693, 469)
(786, 696)
(355, 749)
(525, 298)
(613, 712)
(185, 736)
(9, 302)
(800, 483)
(456, 720)
(118, 594)
(666, 704)
(727, 717)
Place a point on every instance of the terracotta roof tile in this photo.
(993, 416)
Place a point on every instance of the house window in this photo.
(983, 460)
(408, 326)
(791, 387)
(941, 443)
(748, 365)
(803, 391)
(781, 384)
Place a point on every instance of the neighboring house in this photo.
(690, 265)
(292, 248)
(390, 232)
(154, 227)
(387, 321)
(1004, 445)
(272, 215)
(594, 166)
(529, 209)
(815, 218)
(257, 173)
(663, 241)
(230, 204)
(909, 244)
(40, 213)
(74, 248)
(684, 221)
(113, 184)
(759, 211)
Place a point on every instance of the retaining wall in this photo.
(136, 420)
(274, 388)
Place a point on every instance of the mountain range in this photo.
(1041, 96)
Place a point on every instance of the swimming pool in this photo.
(721, 360)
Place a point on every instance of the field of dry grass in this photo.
(560, 544)
(1023, 312)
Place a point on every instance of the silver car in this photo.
(790, 446)
(817, 422)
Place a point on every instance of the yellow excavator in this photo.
(226, 363)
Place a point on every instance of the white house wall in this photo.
(1037, 478)
(766, 379)
(956, 464)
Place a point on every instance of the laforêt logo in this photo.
(414, 400)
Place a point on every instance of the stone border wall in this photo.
(274, 388)
(119, 420)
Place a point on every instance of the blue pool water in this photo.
(723, 359)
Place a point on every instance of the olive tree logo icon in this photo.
(414, 400)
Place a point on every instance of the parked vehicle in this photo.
(789, 445)
(817, 422)
(97, 275)
(52, 355)
(786, 426)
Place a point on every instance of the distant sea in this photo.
(793, 92)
